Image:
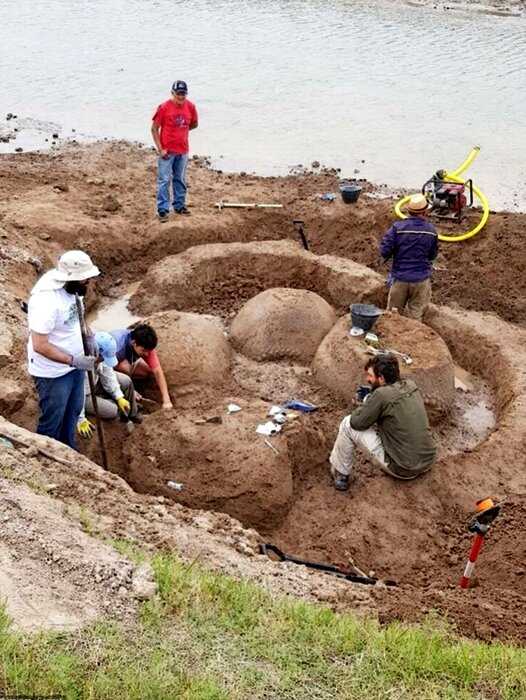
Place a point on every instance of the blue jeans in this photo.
(173, 168)
(61, 400)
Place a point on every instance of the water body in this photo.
(390, 89)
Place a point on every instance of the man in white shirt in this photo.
(56, 357)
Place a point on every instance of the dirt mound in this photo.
(53, 575)
(219, 278)
(339, 362)
(192, 348)
(423, 542)
(223, 464)
(282, 323)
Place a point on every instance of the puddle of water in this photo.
(480, 419)
(115, 313)
(472, 418)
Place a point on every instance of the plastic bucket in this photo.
(350, 193)
(364, 316)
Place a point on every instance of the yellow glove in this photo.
(124, 406)
(85, 428)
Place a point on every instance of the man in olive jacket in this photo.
(390, 426)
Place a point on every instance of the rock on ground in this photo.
(11, 396)
(282, 323)
(340, 360)
(192, 348)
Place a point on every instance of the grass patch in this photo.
(209, 637)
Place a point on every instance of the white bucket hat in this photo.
(74, 266)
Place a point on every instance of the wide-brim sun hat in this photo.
(74, 266)
(417, 204)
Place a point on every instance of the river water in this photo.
(388, 89)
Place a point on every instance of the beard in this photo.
(79, 288)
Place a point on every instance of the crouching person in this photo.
(114, 391)
(391, 427)
(138, 358)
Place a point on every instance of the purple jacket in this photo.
(413, 245)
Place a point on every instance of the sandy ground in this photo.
(100, 198)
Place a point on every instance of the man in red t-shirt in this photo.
(171, 123)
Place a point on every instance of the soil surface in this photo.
(100, 198)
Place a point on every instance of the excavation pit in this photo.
(414, 533)
(281, 485)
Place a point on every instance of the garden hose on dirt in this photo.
(454, 176)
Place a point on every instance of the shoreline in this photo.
(48, 138)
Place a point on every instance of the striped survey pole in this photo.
(486, 511)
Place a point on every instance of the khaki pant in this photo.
(410, 298)
(108, 409)
(368, 441)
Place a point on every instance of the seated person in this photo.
(391, 427)
(114, 391)
(137, 357)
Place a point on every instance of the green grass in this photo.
(209, 637)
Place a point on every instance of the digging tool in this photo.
(91, 380)
(249, 205)
(487, 511)
(300, 228)
(408, 360)
(325, 568)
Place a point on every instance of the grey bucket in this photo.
(350, 192)
(364, 316)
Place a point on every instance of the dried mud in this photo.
(212, 263)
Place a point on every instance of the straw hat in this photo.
(417, 204)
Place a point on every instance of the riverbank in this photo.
(100, 198)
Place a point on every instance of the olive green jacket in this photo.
(400, 414)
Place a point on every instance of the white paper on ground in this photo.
(233, 408)
(269, 428)
(275, 409)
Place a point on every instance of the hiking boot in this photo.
(183, 210)
(163, 216)
(341, 482)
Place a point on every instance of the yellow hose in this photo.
(465, 165)
(454, 177)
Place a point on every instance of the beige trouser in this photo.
(107, 407)
(411, 298)
(368, 441)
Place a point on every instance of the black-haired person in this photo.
(138, 358)
(390, 426)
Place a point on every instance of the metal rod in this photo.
(247, 205)
(91, 380)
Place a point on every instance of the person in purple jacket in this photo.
(412, 243)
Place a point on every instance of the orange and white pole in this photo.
(487, 511)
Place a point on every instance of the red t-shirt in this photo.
(175, 121)
(152, 359)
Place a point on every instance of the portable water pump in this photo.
(448, 199)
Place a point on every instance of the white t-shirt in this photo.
(53, 313)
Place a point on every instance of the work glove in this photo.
(124, 405)
(85, 362)
(92, 344)
(85, 428)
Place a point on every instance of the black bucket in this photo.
(364, 316)
(349, 192)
